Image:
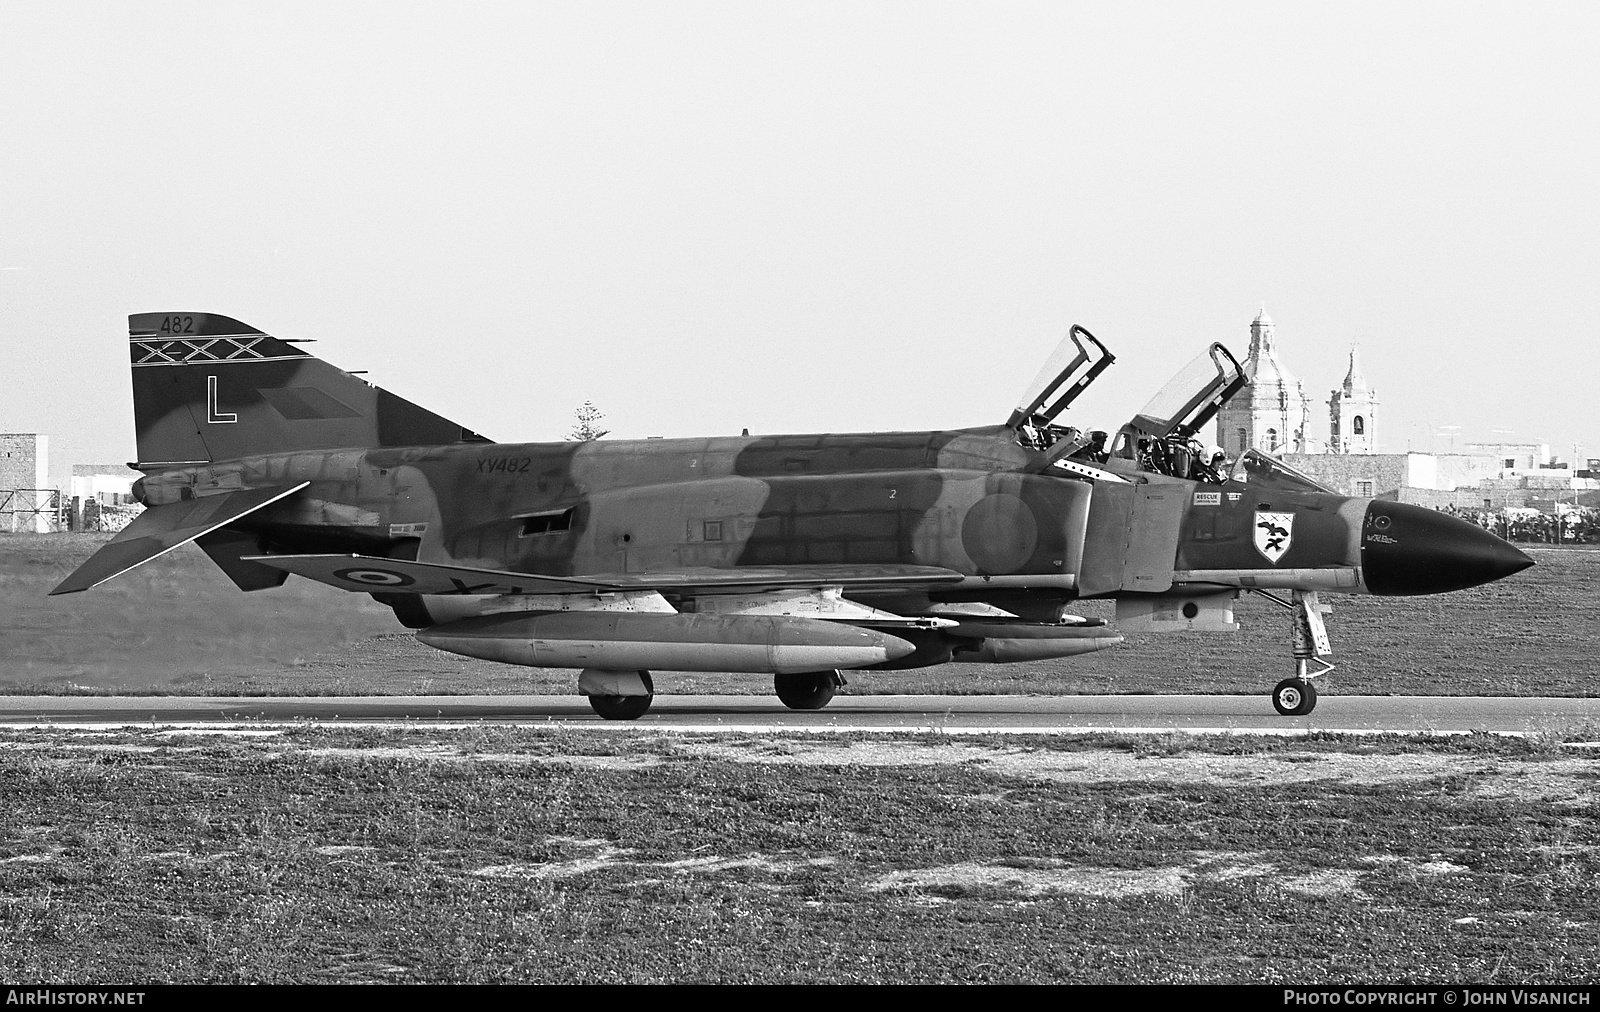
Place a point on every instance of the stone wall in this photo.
(1387, 473)
(1460, 498)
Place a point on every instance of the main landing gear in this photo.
(810, 690)
(626, 695)
(1297, 696)
(617, 695)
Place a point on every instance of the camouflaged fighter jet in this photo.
(795, 556)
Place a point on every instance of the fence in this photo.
(47, 511)
(33, 511)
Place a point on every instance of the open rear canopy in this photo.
(1069, 370)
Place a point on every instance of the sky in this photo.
(800, 217)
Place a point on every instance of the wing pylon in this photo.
(367, 574)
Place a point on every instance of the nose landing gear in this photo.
(1297, 696)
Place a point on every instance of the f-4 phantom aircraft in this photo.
(797, 556)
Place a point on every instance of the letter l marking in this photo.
(212, 414)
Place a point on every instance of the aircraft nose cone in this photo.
(1409, 549)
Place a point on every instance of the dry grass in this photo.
(506, 854)
(176, 625)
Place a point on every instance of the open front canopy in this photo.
(1192, 397)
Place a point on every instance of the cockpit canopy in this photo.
(1069, 370)
(1161, 437)
(1191, 398)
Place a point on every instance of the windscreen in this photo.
(1267, 472)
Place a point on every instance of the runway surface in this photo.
(948, 714)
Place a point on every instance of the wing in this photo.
(365, 574)
(160, 529)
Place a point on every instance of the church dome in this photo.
(1272, 412)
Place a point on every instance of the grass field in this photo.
(176, 625)
(517, 854)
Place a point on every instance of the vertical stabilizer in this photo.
(206, 388)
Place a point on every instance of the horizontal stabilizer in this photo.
(160, 529)
(366, 574)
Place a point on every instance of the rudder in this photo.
(207, 387)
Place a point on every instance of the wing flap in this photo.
(160, 529)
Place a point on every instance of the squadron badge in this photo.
(1274, 534)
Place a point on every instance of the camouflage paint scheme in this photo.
(957, 544)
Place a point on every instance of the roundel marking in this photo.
(1000, 533)
(375, 577)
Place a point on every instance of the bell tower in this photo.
(1352, 412)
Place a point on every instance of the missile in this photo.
(671, 642)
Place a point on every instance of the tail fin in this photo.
(209, 388)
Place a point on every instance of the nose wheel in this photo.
(1294, 697)
(1297, 696)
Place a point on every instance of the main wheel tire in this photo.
(1294, 697)
(621, 707)
(810, 690)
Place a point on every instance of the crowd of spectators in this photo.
(1574, 525)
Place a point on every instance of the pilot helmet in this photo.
(1215, 453)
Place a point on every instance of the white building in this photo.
(1513, 458)
(107, 484)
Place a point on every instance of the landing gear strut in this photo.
(1297, 696)
(617, 695)
(809, 690)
